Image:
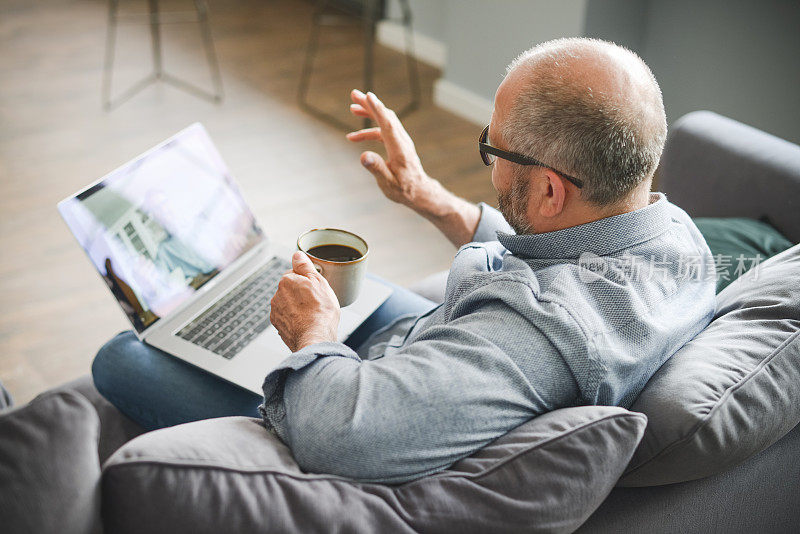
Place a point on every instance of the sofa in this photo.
(711, 444)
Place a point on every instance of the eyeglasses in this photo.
(489, 153)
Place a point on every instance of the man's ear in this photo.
(554, 195)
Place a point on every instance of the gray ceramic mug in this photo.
(345, 277)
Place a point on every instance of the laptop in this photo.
(177, 245)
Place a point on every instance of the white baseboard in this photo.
(447, 95)
(462, 102)
(426, 49)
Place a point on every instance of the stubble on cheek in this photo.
(513, 204)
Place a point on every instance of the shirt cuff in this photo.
(490, 223)
(273, 410)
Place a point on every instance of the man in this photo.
(577, 294)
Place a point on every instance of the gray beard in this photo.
(514, 204)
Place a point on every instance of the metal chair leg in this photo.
(154, 20)
(108, 64)
(411, 62)
(208, 42)
(311, 52)
(155, 37)
(369, 21)
(369, 15)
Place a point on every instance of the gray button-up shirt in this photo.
(530, 323)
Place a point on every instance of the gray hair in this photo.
(610, 141)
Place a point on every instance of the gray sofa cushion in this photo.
(49, 473)
(734, 389)
(230, 475)
(115, 428)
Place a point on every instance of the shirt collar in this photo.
(602, 237)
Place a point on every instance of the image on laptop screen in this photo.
(160, 227)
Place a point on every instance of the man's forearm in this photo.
(455, 217)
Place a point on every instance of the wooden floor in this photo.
(295, 171)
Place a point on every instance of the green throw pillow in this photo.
(739, 244)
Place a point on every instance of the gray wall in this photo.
(428, 16)
(483, 37)
(621, 21)
(740, 58)
(736, 57)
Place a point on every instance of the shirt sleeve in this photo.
(490, 223)
(438, 399)
(273, 410)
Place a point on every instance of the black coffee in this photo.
(334, 252)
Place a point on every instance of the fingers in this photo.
(370, 106)
(376, 109)
(377, 166)
(391, 129)
(359, 111)
(358, 97)
(359, 105)
(302, 265)
(367, 134)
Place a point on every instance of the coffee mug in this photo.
(340, 257)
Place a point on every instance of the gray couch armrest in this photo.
(714, 166)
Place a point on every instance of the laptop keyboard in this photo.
(236, 319)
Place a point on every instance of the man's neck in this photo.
(586, 213)
(638, 199)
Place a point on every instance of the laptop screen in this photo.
(163, 225)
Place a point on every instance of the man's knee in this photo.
(106, 364)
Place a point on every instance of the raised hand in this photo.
(401, 176)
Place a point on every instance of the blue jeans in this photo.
(157, 390)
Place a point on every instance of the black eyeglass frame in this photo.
(485, 148)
